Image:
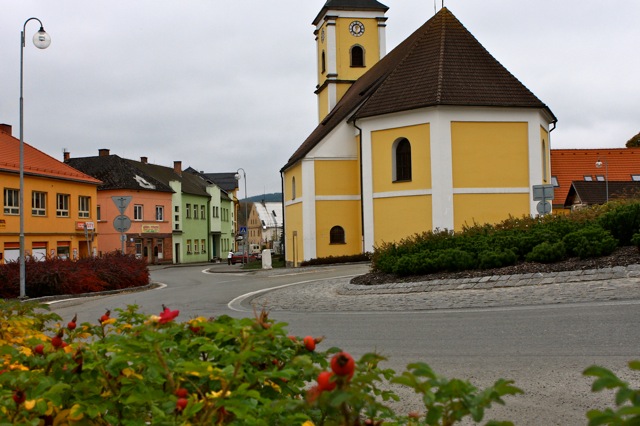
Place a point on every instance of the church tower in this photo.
(350, 39)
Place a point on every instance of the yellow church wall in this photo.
(382, 142)
(294, 235)
(399, 217)
(487, 208)
(343, 213)
(323, 104)
(489, 155)
(337, 177)
(294, 174)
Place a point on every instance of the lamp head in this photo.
(598, 164)
(237, 176)
(41, 39)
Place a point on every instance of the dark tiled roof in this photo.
(349, 5)
(191, 183)
(441, 63)
(226, 181)
(591, 193)
(117, 173)
(570, 165)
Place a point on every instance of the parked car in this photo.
(239, 257)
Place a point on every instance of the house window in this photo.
(98, 214)
(196, 247)
(62, 205)
(138, 244)
(202, 246)
(188, 246)
(84, 206)
(159, 213)
(11, 201)
(402, 160)
(203, 216)
(216, 211)
(188, 210)
(177, 209)
(357, 56)
(588, 179)
(38, 203)
(554, 181)
(195, 211)
(138, 212)
(336, 235)
(635, 178)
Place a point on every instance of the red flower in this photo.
(168, 315)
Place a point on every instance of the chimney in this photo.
(143, 160)
(66, 155)
(5, 128)
(103, 152)
(177, 167)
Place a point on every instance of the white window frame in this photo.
(38, 203)
(11, 201)
(188, 209)
(195, 211)
(84, 206)
(62, 205)
(138, 212)
(188, 246)
(203, 246)
(159, 213)
(203, 213)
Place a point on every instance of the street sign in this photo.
(243, 230)
(121, 202)
(542, 192)
(543, 207)
(122, 223)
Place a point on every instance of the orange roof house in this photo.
(569, 165)
(58, 202)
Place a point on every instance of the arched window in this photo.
(544, 161)
(402, 159)
(336, 235)
(357, 56)
(293, 188)
(323, 62)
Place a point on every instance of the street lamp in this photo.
(606, 176)
(246, 217)
(41, 40)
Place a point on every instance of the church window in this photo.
(293, 188)
(357, 56)
(402, 160)
(336, 235)
(323, 63)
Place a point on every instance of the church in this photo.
(435, 134)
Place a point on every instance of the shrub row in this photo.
(131, 369)
(331, 260)
(587, 233)
(54, 276)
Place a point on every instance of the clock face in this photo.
(356, 28)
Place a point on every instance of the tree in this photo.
(634, 142)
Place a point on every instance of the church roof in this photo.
(441, 63)
(349, 5)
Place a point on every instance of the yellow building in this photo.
(59, 202)
(436, 134)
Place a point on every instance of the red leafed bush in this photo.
(55, 276)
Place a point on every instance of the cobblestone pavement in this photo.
(597, 285)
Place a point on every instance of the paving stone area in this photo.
(584, 286)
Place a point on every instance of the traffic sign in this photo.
(243, 230)
(122, 223)
(122, 201)
(543, 207)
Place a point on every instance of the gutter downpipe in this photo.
(361, 188)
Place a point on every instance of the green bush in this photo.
(332, 260)
(622, 222)
(456, 260)
(496, 259)
(592, 241)
(547, 252)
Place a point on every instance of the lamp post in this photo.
(41, 40)
(246, 217)
(606, 176)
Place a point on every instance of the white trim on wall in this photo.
(308, 209)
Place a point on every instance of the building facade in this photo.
(436, 134)
(60, 202)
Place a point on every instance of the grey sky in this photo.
(222, 85)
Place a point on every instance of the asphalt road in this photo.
(543, 348)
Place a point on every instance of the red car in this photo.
(239, 257)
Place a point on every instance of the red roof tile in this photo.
(568, 165)
(36, 162)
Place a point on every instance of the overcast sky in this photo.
(221, 85)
